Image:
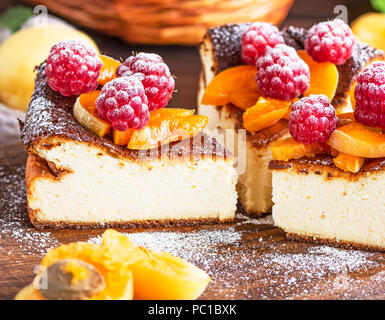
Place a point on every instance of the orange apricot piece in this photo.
(230, 80)
(323, 76)
(166, 277)
(108, 71)
(286, 149)
(358, 140)
(264, 113)
(121, 138)
(347, 162)
(85, 113)
(244, 98)
(165, 126)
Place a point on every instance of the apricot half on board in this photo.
(162, 276)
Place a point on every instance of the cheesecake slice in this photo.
(314, 201)
(221, 50)
(76, 179)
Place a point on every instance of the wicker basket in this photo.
(164, 21)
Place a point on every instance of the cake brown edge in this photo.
(332, 242)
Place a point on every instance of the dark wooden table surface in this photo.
(249, 259)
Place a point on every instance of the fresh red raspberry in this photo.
(73, 68)
(330, 41)
(369, 94)
(257, 39)
(155, 76)
(123, 103)
(312, 119)
(282, 74)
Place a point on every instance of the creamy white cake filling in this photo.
(102, 188)
(254, 183)
(335, 209)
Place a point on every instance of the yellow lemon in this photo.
(24, 50)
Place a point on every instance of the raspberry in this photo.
(123, 103)
(282, 74)
(312, 119)
(369, 94)
(330, 41)
(257, 39)
(73, 68)
(155, 76)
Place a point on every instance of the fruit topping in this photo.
(264, 113)
(123, 103)
(282, 74)
(331, 41)
(357, 140)
(257, 39)
(108, 71)
(155, 76)
(347, 162)
(345, 118)
(219, 90)
(323, 76)
(122, 138)
(369, 94)
(166, 126)
(244, 98)
(85, 114)
(312, 119)
(284, 150)
(73, 68)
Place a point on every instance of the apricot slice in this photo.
(284, 150)
(121, 138)
(85, 113)
(230, 80)
(244, 98)
(166, 126)
(264, 113)
(347, 162)
(357, 140)
(117, 276)
(108, 71)
(323, 76)
(162, 276)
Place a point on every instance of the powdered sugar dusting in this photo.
(268, 269)
(13, 215)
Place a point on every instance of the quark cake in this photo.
(315, 201)
(76, 179)
(221, 50)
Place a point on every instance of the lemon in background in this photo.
(370, 29)
(20, 53)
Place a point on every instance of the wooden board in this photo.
(248, 259)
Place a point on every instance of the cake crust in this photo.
(323, 165)
(332, 242)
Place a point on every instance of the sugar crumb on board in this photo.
(267, 270)
(13, 217)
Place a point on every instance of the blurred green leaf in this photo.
(14, 17)
(379, 5)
